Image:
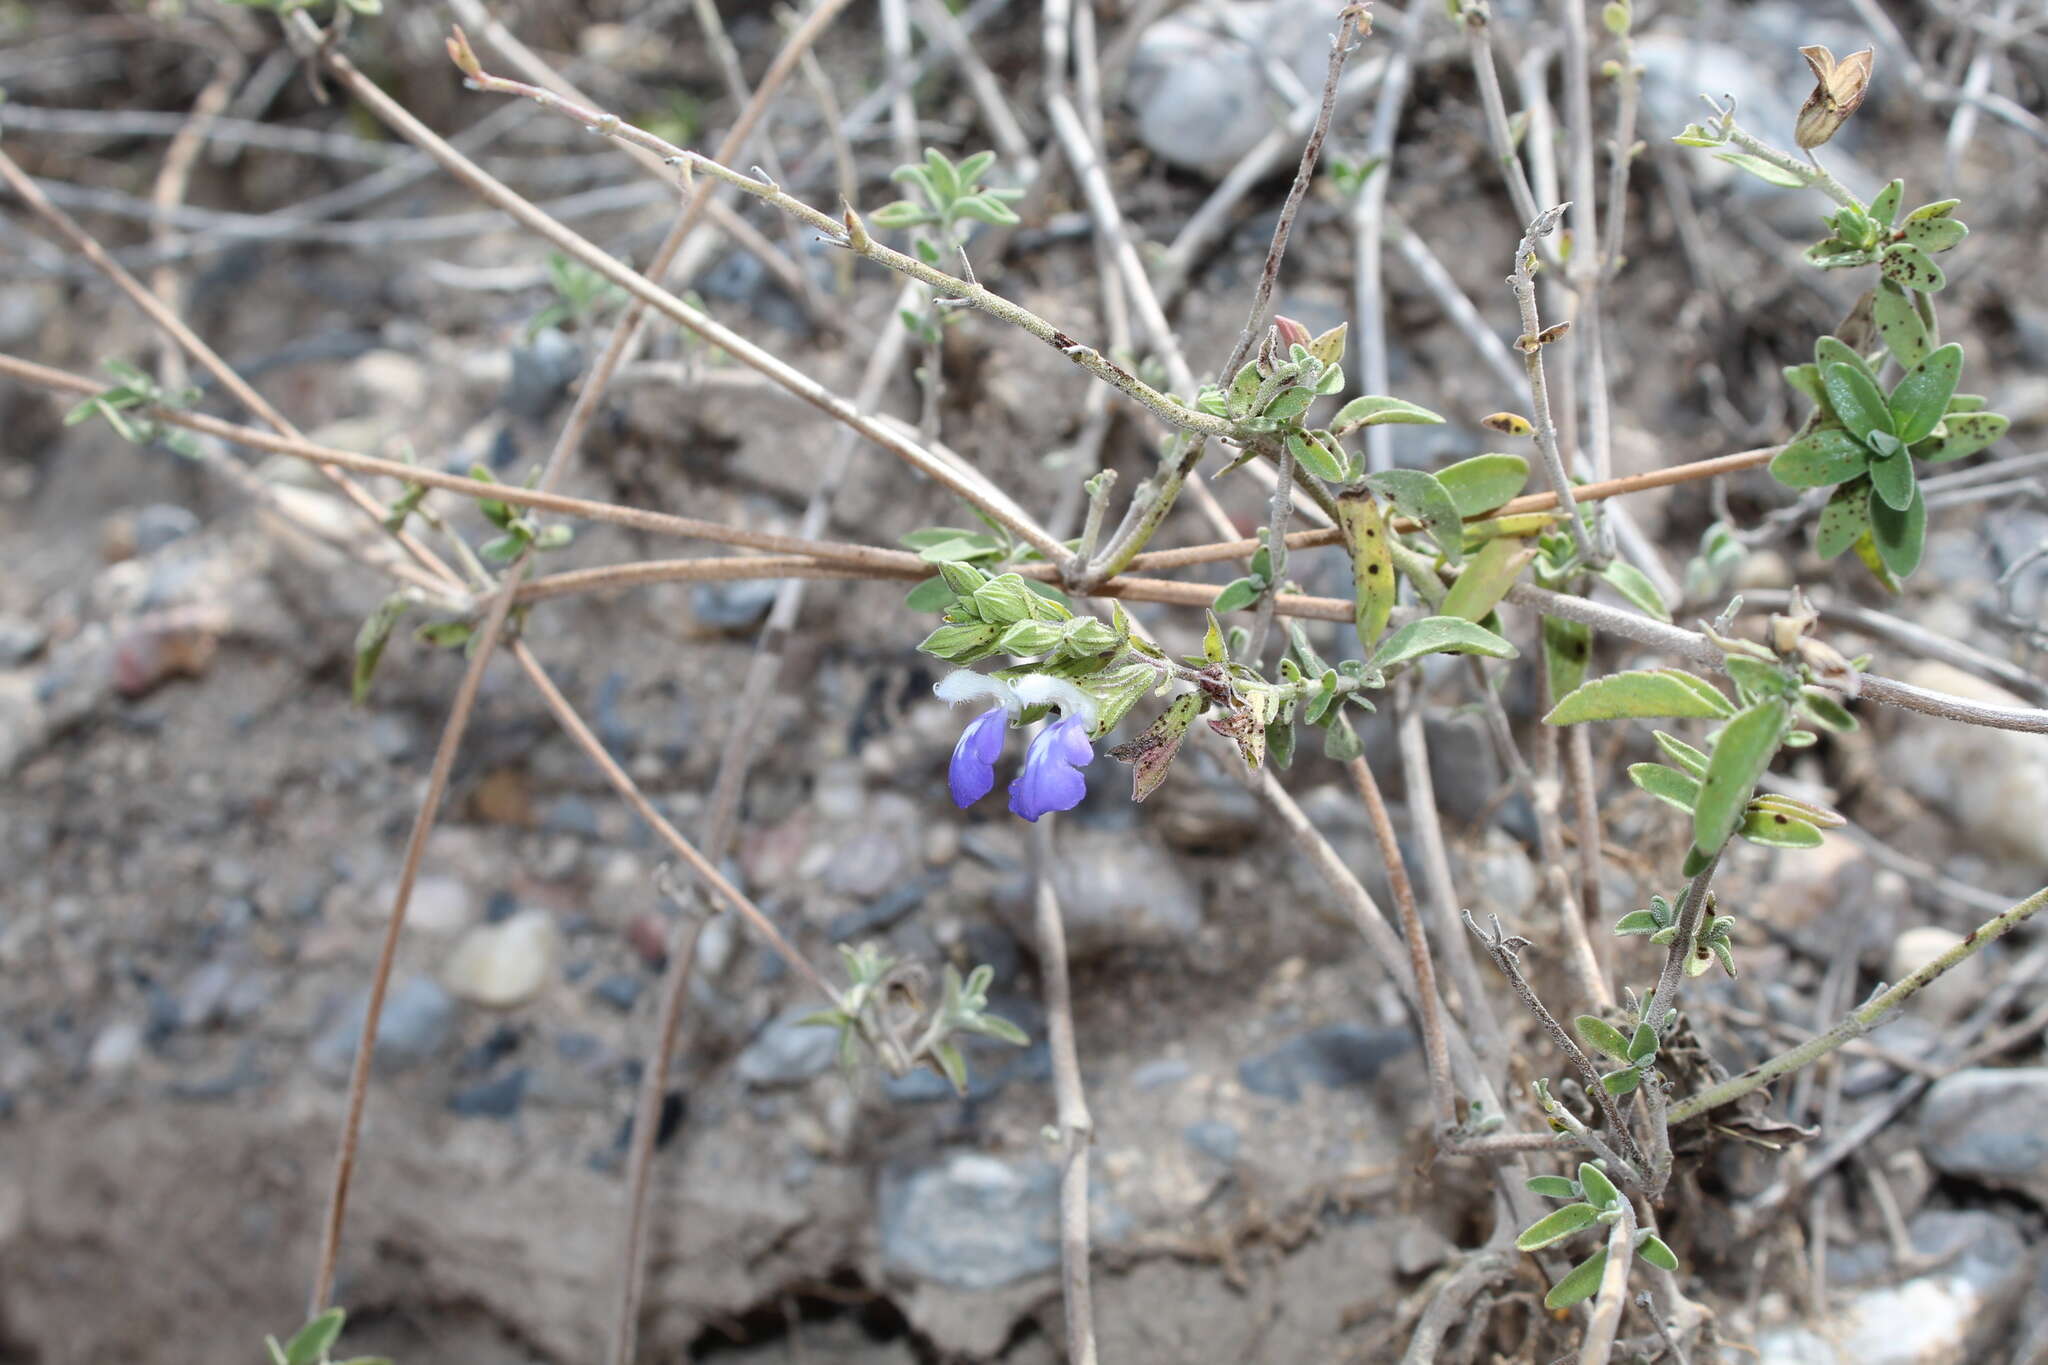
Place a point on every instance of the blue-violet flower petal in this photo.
(1052, 778)
(972, 773)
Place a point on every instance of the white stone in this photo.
(1953, 992)
(1992, 783)
(503, 965)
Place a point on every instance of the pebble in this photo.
(497, 1098)
(1161, 1074)
(116, 1048)
(441, 906)
(737, 605)
(788, 1051)
(1992, 783)
(1949, 995)
(1198, 92)
(161, 523)
(20, 641)
(1336, 1056)
(971, 1221)
(1117, 892)
(1214, 1139)
(620, 990)
(1990, 1125)
(1960, 1310)
(542, 371)
(203, 997)
(503, 965)
(417, 1021)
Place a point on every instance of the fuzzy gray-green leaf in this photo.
(1843, 520)
(1418, 494)
(1640, 694)
(1741, 755)
(1557, 1225)
(1920, 399)
(1666, 784)
(1900, 533)
(1856, 400)
(1484, 482)
(1439, 635)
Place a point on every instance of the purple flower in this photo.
(1052, 779)
(972, 773)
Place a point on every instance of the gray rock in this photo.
(1990, 1126)
(1161, 1074)
(972, 1221)
(1337, 1056)
(738, 605)
(497, 1098)
(231, 876)
(620, 990)
(1958, 1310)
(20, 641)
(787, 1051)
(203, 997)
(541, 373)
(1992, 783)
(160, 523)
(1197, 85)
(1118, 891)
(417, 1021)
(1214, 1139)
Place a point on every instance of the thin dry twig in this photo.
(1076, 1129)
(1613, 1299)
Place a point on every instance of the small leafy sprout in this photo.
(581, 296)
(123, 407)
(311, 1343)
(1595, 1203)
(949, 194)
(519, 532)
(1350, 177)
(869, 1012)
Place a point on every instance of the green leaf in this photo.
(1856, 400)
(1940, 208)
(1484, 482)
(313, 1341)
(1651, 1248)
(1820, 458)
(931, 595)
(1892, 480)
(1027, 638)
(1567, 650)
(1635, 585)
(972, 169)
(1962, 434)
(1935, 234)
(1418, 494)
(999, 1028)
(1900, 533)
(1373, 410)
(1885, 207)
(1912, 268)
(1600, 1191)
(944, 178)
(1580, 1283)
(1340, 742)
(1439, 635)
(1642, 1044)
(1684, 755)
(502, 549)
(1637, 922)
(960, 550)
(1238, 594)
(1551, 1187)
(1920, 399)
(1900, 324)
(1372, 564)
(1763, 170)
(1640, 693)
(1621, 1082)
(1668, 785)
(1557, 1225)
(1290, 403)
(1243, 389)
(1843, 520)
(1317, 458)
(370, 642)
(1830, 350)
(985, 209)
(1601, 1036)
(1777, 829)
(1806, 379)
(901, 213)
(1487, 578)
(1741, 755)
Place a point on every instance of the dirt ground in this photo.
(199, 834)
